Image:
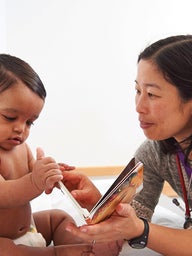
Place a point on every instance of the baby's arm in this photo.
(43, 176)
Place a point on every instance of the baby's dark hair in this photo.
(14, 69)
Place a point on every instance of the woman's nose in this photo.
(140, 105)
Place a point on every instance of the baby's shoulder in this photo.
(14, 163)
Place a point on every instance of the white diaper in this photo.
(31, 238)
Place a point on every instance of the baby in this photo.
(22, 177)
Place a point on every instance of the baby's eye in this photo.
(9, 118)
(29, 123)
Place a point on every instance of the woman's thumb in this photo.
(124, 209)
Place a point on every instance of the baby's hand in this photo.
(46, 172)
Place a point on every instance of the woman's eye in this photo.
(151, 95)
(137, 91)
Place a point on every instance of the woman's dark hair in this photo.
(13, 69)
(173, 58)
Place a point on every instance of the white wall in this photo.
(2, 26)
(85, 52)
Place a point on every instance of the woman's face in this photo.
(162, 113)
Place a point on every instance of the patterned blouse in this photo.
(158, 167)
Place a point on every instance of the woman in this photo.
(164, 106)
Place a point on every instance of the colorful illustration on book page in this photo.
(125, 193)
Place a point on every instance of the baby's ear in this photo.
(40, 154)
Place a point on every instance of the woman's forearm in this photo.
(170, 241)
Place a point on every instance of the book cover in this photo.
(124, 188)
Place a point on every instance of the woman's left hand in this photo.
(123, 224)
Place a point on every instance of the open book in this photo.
(125, 187)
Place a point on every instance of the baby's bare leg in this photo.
(9, 248)
(52, 223)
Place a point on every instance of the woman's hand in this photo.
(66, 167)
(123, 224)
(82, 188)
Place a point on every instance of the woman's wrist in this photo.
(140, 242)
(140, 227)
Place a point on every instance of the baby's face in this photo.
(19, 108)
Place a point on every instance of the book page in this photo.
(125, 187)
(82, 211)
